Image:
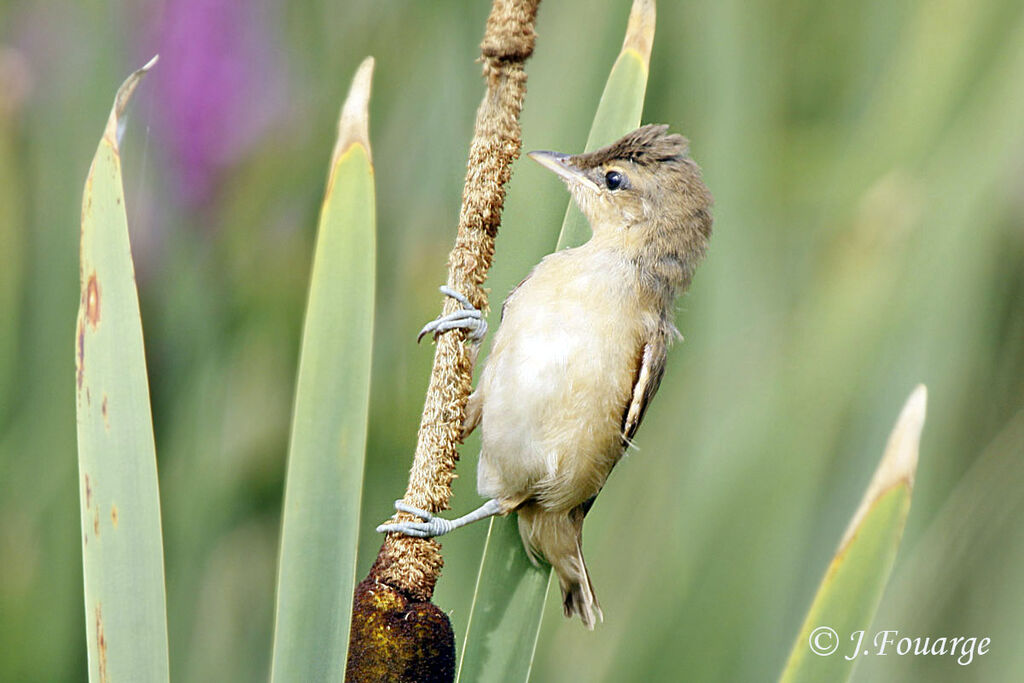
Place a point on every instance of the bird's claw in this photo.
(429, 527)
(469, 318)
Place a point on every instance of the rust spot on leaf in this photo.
(80, 356)
(88, 492)
(113, 515)
(106, 415)
(101, 643)
(92, 301)
(96, 521)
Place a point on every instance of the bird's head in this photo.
(642, 189)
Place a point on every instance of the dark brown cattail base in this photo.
(397, 639)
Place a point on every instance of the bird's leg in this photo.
(435, 526)
(469, 318)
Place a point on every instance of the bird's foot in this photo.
(429, 527)
(435, 526)
(469, 318)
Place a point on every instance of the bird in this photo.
(580, 350)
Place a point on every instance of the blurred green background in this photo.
(867, 161)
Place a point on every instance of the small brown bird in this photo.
(581, 348)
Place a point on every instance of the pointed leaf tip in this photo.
(640, 30)
(901, 452)
(353, 124)
(899, 462)
(900, 459)
(115, 124)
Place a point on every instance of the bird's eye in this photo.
(614, 180)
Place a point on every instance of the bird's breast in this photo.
(557, 380)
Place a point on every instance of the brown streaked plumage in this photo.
(581, 348)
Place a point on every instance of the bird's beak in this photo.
(561, 164)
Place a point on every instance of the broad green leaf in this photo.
(621, 105)
(508, 602)
(122, 545)
(507, 609)
(844, 607)
(328, 441)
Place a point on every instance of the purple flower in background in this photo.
(220, 86)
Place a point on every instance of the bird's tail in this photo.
(557, 537)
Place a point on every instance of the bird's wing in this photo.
(649, 372)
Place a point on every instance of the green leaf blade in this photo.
(508, 602)
(507, 608)
(828, 645)
(328, 442)
(122, 543)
